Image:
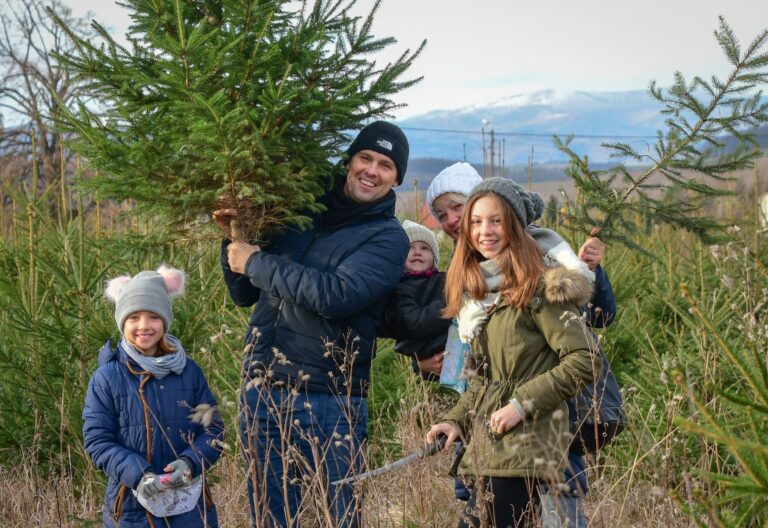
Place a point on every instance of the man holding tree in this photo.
(312, 334)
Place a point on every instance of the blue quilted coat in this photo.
(319, 286)
(115, 432)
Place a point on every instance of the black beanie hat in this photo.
(384, 138)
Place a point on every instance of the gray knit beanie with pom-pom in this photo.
(528, 205)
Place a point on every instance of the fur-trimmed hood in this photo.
(560, 285)
(563, 285)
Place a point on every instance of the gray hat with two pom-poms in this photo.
(147, 291)
(528, 205)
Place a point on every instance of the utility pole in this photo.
(530, 169)
(503, 154)
(493, 159)
(484, 160)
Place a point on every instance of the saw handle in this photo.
(434, 447)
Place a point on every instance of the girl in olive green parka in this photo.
(530, 353)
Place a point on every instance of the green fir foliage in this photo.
(680, 172)
(228, 103)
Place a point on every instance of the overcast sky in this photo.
(482, 50)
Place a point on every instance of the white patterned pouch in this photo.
(169, 502)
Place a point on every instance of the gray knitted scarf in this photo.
(557, 252)
(161, 366)
(474, 312)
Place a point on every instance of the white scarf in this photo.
(474, 312)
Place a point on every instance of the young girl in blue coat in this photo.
(138, 426)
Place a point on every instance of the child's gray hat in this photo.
(149, 291)
(528, 205)
(419, 233)
(458, 178)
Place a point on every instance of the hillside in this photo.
(526, 121)
(423, 170)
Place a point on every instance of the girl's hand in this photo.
(237, 255)
(223, 217)
(179, 474)
(448, 429)
(504, 419)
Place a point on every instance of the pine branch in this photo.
(231, 103)
(684, 159)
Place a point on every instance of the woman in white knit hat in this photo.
(448, 192)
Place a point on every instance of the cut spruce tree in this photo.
(243, 104)
(680, 172)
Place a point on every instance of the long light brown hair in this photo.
(521, 262)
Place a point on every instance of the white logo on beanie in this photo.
(383, 143)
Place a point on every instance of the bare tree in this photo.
(33, 85)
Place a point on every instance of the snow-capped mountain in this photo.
(523, 121)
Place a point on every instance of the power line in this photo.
(524, 134)
(538, 134)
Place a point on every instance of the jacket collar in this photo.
(342, 211)
(107, 353)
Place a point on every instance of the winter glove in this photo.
(180, 474)
(149, 485)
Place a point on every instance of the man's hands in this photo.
(593, 250)
(224, 218)
(237, 252)
(433, 365)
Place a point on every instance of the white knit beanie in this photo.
(419, 233)
(458, 178)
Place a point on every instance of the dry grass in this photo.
(419, 495)
(630, 481)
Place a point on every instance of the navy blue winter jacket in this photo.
(412, 318)
(318, 287)
(115, 435)
(602, 307)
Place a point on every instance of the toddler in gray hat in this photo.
(150, 420)
(412, 315)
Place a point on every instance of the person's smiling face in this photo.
(487, 234)
(144, 330)
(448, 210)
(370, 176)
(420, 258)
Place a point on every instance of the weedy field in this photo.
(689, 345)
